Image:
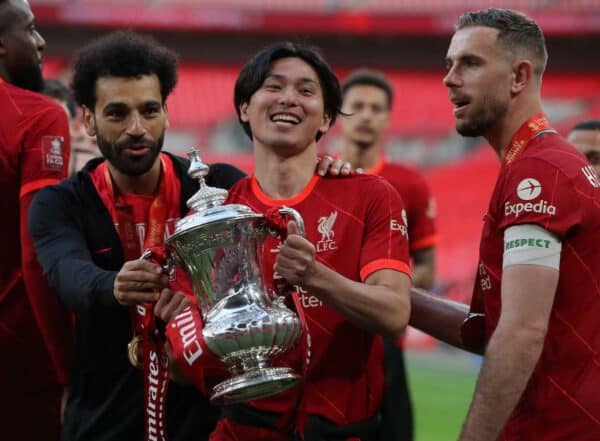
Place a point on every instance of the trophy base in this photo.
(253, 385)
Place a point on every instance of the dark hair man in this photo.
(585, 136)
(90, 231)
(368, 97)
(34, 152)
(536, 301)
(351, 271)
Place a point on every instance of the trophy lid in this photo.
(207, 203)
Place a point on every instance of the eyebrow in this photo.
(117, 105)
(301, 79)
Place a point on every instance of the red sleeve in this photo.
(385, 245)
(190, 352)
(43, 162)
(421, 216)
(537, 192)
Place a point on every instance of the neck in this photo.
(283, 177)
(360, 156)
(142, 184)
(501, 133)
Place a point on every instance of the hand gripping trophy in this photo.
(221, 248)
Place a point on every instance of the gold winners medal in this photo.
(134, 351)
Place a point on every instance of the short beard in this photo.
(479, 125)
(112, 153)
(28, 77)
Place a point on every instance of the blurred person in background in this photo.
(350, 272)
(536, 302)
(34, 147)
(83, 146)
(368, 98)
(585, 136)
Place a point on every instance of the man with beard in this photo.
(535, 307)
(90, 231)
(368, 98)
(585, 136)
(34, 152)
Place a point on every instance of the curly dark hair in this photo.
(122, 54)
(255, 71)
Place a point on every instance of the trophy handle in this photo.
(160, 257)
(296, 217)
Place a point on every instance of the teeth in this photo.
(285, 118)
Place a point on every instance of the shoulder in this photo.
(549, 157)
(362, 186)
(32, 104)
(224, 175)
(403, 176)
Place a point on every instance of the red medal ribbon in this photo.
(530, 129)
(154, 358)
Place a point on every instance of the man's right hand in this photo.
(139, 281)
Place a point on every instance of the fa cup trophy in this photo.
(221, 249)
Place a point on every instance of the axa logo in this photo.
(528, 190)
(325, 228)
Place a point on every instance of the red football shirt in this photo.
(34, 152)
(358, 226)
(551, 185)
(420, 205)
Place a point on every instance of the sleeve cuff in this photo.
(380, 264)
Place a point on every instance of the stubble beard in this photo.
(492, 111)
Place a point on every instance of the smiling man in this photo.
(350, 272)
(535, 307)
(34, 152)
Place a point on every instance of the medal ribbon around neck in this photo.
(530, 129)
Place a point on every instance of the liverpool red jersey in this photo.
(551, 185)
(358, 226)
(34, 328)
(419, 204)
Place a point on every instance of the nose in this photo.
(135, 128)
(40, 42)
(451, 79)
(288, 96)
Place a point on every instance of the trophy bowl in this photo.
(221, 249)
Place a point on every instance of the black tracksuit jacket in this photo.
(80, 253)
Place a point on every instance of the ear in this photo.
(89, 121)
(522, 76)
(325, 126)
(166, 110)
(244, 112)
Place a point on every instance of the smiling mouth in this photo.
(285, 118)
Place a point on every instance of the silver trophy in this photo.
(221, 248)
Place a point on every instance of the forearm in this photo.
(510, 359)
(378, 308)
(81, 285)
(440, 318)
